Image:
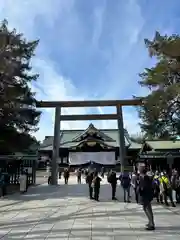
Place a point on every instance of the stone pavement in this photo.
(65, 212)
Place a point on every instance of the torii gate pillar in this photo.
(56, 143)
(122, 146)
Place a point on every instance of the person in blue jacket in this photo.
(126, 184)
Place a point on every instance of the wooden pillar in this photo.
(122, 147)
(56, 143)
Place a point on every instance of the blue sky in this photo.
(90, 50)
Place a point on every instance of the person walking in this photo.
(126, 184)
(146, 197)
(96, 185)
(89, 179)
(66, 176)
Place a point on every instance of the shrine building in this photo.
(79, 148)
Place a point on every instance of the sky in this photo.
(90, 50)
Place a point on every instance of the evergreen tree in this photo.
(137, 138)
(160, 113)
(18, 115)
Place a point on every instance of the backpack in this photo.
(156, 182)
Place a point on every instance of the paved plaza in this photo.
(65, 212)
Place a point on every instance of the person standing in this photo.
(112, 179)
(79, 175)
(2, 185)
(96, 184)
(175, 181)
(156, 186)
(126, 184)
(89, 179)
(66, 176)
(102, 172)
(86, 174)
(60, 172)
(146, 196)
(135, 185)
(167, 189)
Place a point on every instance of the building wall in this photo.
(64, 153)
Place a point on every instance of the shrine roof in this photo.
(70, 138)
(163, 145)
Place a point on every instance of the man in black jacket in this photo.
(89, 179)
(146, 196)
(112, 179)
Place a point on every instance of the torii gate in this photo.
(93, 103)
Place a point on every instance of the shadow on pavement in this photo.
(80, 209)
(78, 215)
(69, 191)
(84, 233)
(45, 191)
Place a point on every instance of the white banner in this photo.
(105, 158)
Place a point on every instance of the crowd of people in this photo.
(147, 185)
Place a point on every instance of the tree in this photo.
(160, 113)
(137, 138)
(18, 115)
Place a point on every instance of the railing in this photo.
(13, 166)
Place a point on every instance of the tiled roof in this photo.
(135, 145)
(67, 136)
(162, 145)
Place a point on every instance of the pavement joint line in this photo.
(42, 219)
(103, 210)
(36, 223)
(70, 232)
(17, 212)
(171, 210)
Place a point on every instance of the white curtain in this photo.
(105, 158)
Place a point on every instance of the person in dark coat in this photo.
(146, 196)
(2, 185)
(86, 174)
(79, 174)
(126, 184)
(112, 179)
(66, 176)
(175, 182)
(60, 172)
(27, 182)
(89, 179)
(96, 184)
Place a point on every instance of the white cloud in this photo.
(52, 85)
(135, 21)
(98, 23)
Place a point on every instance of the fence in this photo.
(13, 166)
